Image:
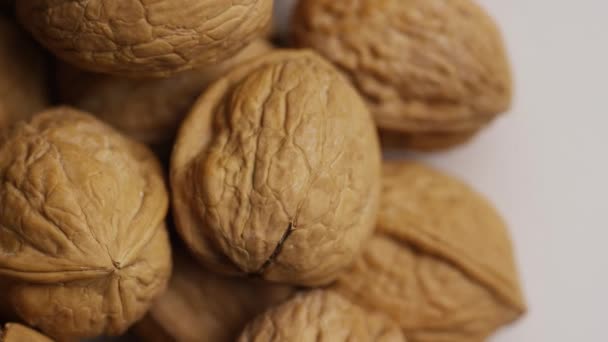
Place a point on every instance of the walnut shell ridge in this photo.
(441, 262)
(13, 332)
(276, 171)
(82, 231)
(145, 38)
(424, 66)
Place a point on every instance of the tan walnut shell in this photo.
(148, 110)
(145, 38)
(320, 316)
(82, 233)
(13, 332)
(23, 85)
(441, 262)
(276, 171)
(203, 306)
(428, 69)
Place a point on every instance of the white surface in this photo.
(545, 165)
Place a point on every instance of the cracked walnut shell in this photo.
(145, 38)
(276, 171)
(441, 262)
(320, 316)
(82, 233)
(425, 67)
(13, 332)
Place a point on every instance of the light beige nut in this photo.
(441, 263)
(148, 110)
(145, 38)
(203, 306)
(82, 231)
(424, 66)
(276, 171)
(320, 316)
(13, 332)
(23, 85)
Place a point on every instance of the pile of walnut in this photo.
(286, 225)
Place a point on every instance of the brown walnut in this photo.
(441, 262)
(82, 232)
(13, 332)
(425, 67)
(320, 316)
(148, 110)
(145, 38)
(276, 171)
(23, 88)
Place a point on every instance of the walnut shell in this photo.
(424, 66)
(203, 306)
(145, 38)
(82, 231)
(148, 110)
(276, 171)
(441, 263)
(13, 332)
(320, 316)
(23, 86)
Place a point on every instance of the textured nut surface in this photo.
(145, 38)
(13, 332)
(148, 110)
(441, 263)
(203, 306)
(423, 65)
(82, 232)
(23, 88)
(320, 316)
(276, 171)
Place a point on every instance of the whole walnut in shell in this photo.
(276, 171)
(23, 85)
(320, 316)
(148, 110)
(82, 233)
(429, 69)
(441, 262)
(203, 306)
(13, 332)
(145, 38)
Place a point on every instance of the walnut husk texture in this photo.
(441, 262)
(320, 316)
(13, 332)
(82, 232)
(276, 171)
(145, 38)
(424, 66)
(203, 306)
(148, 110)
(23, 85)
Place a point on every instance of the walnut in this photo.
(203, 306)
(13, 332)
(82, 231)
(441, 263)
(424, 66)
(23, 88)
(145, 38)
(320, 316)
(276, 171)
(148, 110)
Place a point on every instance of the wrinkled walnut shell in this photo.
(13, 332)
(320, 316)
(23, 85)
(148, 110)
(203, 306)
(145, 38)
(424, 66)
(441, 263)
(82, 231)
(275, 172)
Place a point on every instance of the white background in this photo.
(545, 165)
